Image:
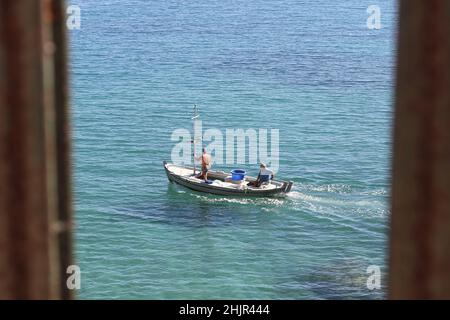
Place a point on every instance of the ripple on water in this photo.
(325, 86)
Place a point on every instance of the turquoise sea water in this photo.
(311, 69)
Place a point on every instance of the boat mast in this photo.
(195, 116)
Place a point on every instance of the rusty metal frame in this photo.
(35, 183)
(420, 221)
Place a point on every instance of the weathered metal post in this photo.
(35, 203)
(420, 222)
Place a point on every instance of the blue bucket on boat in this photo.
(238, 174)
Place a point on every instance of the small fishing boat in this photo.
(221, 183)
(234, 184)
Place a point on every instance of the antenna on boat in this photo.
(195, 116)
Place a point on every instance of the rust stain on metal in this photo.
(26, 159)
(420, 195)
(21, 174)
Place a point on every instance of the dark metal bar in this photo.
(63, 142)
(420, 234)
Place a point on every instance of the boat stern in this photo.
(288, 186)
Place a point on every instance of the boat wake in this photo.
(341, 200)
(244, 201)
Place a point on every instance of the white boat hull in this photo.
(185, 176)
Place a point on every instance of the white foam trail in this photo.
(329, 203)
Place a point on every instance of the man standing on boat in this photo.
(206, 164)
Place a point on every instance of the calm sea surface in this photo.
(311, 69)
